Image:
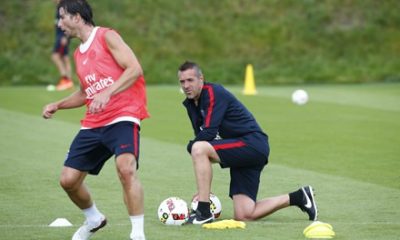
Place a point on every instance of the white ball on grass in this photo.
(215, 205)
(173, 211)
(300, 97)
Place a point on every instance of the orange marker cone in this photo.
(249, 83)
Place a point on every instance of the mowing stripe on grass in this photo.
(31, 158)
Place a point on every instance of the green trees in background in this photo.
(287, 41)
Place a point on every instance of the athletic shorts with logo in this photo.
(246, 157)
(91, 148)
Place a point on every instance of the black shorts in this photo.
(246, 157)
(91, 148)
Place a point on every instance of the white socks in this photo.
(137, 227)
(93, 215)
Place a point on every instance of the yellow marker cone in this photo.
(249, 83)
(225, 224)
(319, 230)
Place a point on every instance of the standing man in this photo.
(113, 88)
(60, 56)
(228, 134)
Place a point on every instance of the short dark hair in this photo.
(191, 65)
(80, 7)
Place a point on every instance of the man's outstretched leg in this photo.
(246, 209)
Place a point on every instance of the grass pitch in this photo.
(344, 142)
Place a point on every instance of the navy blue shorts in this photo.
(91, 148)
(246, 158)
(58, 47)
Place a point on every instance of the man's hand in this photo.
(99, 102)
(49, 110)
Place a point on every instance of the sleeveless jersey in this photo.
(97, 70)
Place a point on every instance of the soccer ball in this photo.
(300, 97)
(173, 211)
(215, 205)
